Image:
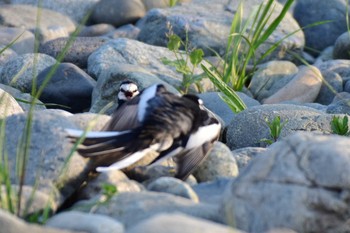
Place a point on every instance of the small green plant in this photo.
(340, 125)
(275, 128)
(183, 60)
(245, 37)
(173, 2)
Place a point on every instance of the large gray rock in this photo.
(332, 84)
(211, 192)
(244, 155)
(248, 127)
(77, 53)
(118, 12)
(179, 223)
(271, 77)
(173, 186)
(92, 120)
(131, 208)
(69, 87)
(342, 47)
(303, 88)
(131, 52)
(48, 152)
(85, 222)
(51, 26)
(219, 163)
(11, 224)
(20, 71)
(24, 42)
(211, 28)
(315, 37)
(341, 67)
(340, 104)
(300, 183)
(75, 9)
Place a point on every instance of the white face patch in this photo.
(204, 134)
(130, 88)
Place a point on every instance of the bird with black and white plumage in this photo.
(170, 125)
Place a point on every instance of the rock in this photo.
(24, 99)
(6, 55)
(303, 178)
(69, 87)
(77, 53)
(347, 86)
(280, 230)
(214, 103)
(54, 26)
(19, 71)
(11, 224)
(109, 79)
(8, 105)
(340, 104)
(150, 4)
(48, 151)
(23, 44)
(342, 47)
(210, 29)
(86, 119)
(32, 200)
(321, 11)
(94, 186)
(147, 174)
(173, 186)
(179, 223)
(332, 84)
(119, 52)
(304, 87)
(75, 9)
(341, 67)
(118, 12)
(219, 163)
(85, 222)
(271, 77)
(244, 155)
(131, 208)
(126, 31)
(96, 30)
(248, 127)
(325, 55)
(211, 192)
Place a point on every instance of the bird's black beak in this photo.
(128, 94)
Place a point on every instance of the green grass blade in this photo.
(236, 104)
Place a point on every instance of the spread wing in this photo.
(189, 160)
(124, 117)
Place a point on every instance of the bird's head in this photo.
(127, 91)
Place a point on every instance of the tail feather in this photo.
(93, 137)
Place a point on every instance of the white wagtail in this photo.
(171, 125)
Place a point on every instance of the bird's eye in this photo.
(134, 91)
